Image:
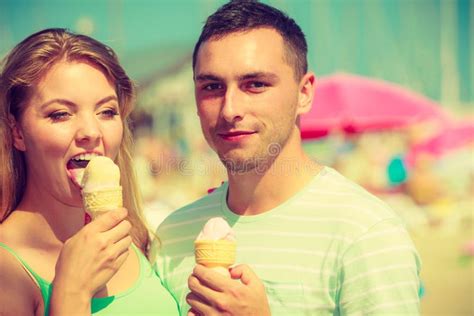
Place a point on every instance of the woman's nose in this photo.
(88, 130)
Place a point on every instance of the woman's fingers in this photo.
(120, 231)
(121, 259)
(108, 220)
(122, 246)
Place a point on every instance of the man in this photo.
(312, 241)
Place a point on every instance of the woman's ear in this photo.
(306, 93)
(17, 134)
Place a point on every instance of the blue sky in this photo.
(126, 25)
(396, 40)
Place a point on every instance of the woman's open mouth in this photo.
(76, 165)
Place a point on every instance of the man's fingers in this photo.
(198, 305)
(200, 289)
(192, 312)
(211, 278)
(109, 220)
(244, 273)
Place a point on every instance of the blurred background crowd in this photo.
(394, 108)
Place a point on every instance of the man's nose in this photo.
(233, 107)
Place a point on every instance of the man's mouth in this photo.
(235, 135)
(76, 165)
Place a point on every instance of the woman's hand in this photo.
(88, 260)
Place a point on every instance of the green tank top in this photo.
(147, 296)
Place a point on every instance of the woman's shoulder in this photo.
(19, 295)
(19, 289)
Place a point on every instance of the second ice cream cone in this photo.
(215, 253)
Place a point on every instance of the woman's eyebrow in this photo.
(70, 103)
(107, 99)
(57, 100)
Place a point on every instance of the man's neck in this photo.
(257, 192)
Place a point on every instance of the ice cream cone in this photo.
(101, 201)
(216, 245)
(101, 190)
(215, 253)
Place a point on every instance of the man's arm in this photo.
(380, 273)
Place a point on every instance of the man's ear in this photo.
(306, 93)
(17, 134)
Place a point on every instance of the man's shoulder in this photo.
(195, 212)
(342, 197)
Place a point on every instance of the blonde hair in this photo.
(22, 68)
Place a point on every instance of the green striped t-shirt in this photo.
(332, 249)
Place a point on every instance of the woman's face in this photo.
(73, 115)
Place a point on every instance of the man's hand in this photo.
(215, 294)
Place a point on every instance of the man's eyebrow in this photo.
(207, 77)
(259, 75)
(247, 76)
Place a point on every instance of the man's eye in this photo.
(59, 116)
(257, 84)
(212, 86)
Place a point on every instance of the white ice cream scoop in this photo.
(101, 190)
(215, 247)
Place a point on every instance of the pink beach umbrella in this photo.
(354, 104)
(449, 138)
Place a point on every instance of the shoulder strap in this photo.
(25, 266)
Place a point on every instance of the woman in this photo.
(64, 98)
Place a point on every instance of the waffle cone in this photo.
(215, 253)
(97, 202)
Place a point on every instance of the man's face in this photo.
(247, 97)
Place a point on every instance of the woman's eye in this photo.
(109, 113)
(59, 116)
